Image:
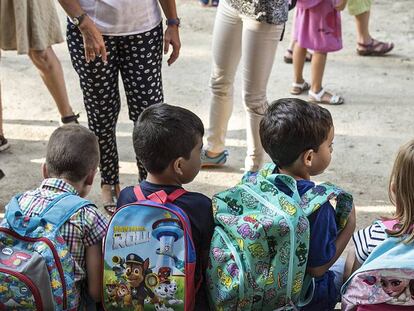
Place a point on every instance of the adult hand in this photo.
(93, 41)
(172, 36)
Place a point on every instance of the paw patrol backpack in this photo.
(386, 278)
(149, 256)
(259, 248)
(36, 267)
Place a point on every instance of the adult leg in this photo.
(259, 45)
(99, 84)
(226, 56)
(51, 72)
(140, 59)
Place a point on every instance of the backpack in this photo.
(149, 256)
(36, 267)
(259, 249)
(390, 263)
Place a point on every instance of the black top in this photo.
(198, 209)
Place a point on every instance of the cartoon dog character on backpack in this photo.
(166, 294)
(164, 275)
(111, 291)
(123, 296)
(136, 271)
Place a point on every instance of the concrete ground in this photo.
(376, 119)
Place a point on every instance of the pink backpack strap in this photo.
(176, 194)
(159, 196)
(139, 194)
(389, 224)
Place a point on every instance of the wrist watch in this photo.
(77, 20)
(173, 21)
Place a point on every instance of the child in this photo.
(168, 141)
(400, 190)
(71, 161)
(318, 28)
(298, 136)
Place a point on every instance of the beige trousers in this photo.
(238, 37)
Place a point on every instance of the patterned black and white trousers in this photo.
(138, 59)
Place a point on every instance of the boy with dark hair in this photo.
(168, 141)
(72, 159)
(298, 136)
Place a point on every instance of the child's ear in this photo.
(91, 176)
(45, 173)
(307, 157)
(177, 165)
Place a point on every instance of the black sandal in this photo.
(110, 207)
(73, 119)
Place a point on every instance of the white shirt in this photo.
(366, 240)
(123, 17)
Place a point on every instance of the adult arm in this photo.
(341, 241)
(93, 42)
(171, 35)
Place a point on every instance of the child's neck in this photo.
(297, 174)
(162, 179)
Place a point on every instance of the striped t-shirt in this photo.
(367, 239)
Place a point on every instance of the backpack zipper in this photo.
(33, 289)
(55, 257)
(291, 234)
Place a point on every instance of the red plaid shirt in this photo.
(85, 228)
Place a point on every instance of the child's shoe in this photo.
(204, 2)
(4, 144)
(219, 160)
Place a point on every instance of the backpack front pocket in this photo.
(225, 273)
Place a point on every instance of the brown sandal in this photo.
(375, 48)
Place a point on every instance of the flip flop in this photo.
(316, 98)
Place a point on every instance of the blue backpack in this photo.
(36, 267)
(149, 256)
(385, 278)
(259, 248)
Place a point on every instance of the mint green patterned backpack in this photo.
(259, 249)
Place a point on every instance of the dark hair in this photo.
(291, 126)
(164, 133)
(72, 152)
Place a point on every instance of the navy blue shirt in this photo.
(323, 234)
(198, 209)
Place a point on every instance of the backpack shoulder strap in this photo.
(67, 204)
(159, 196)
(58, 212)
(315, 197)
